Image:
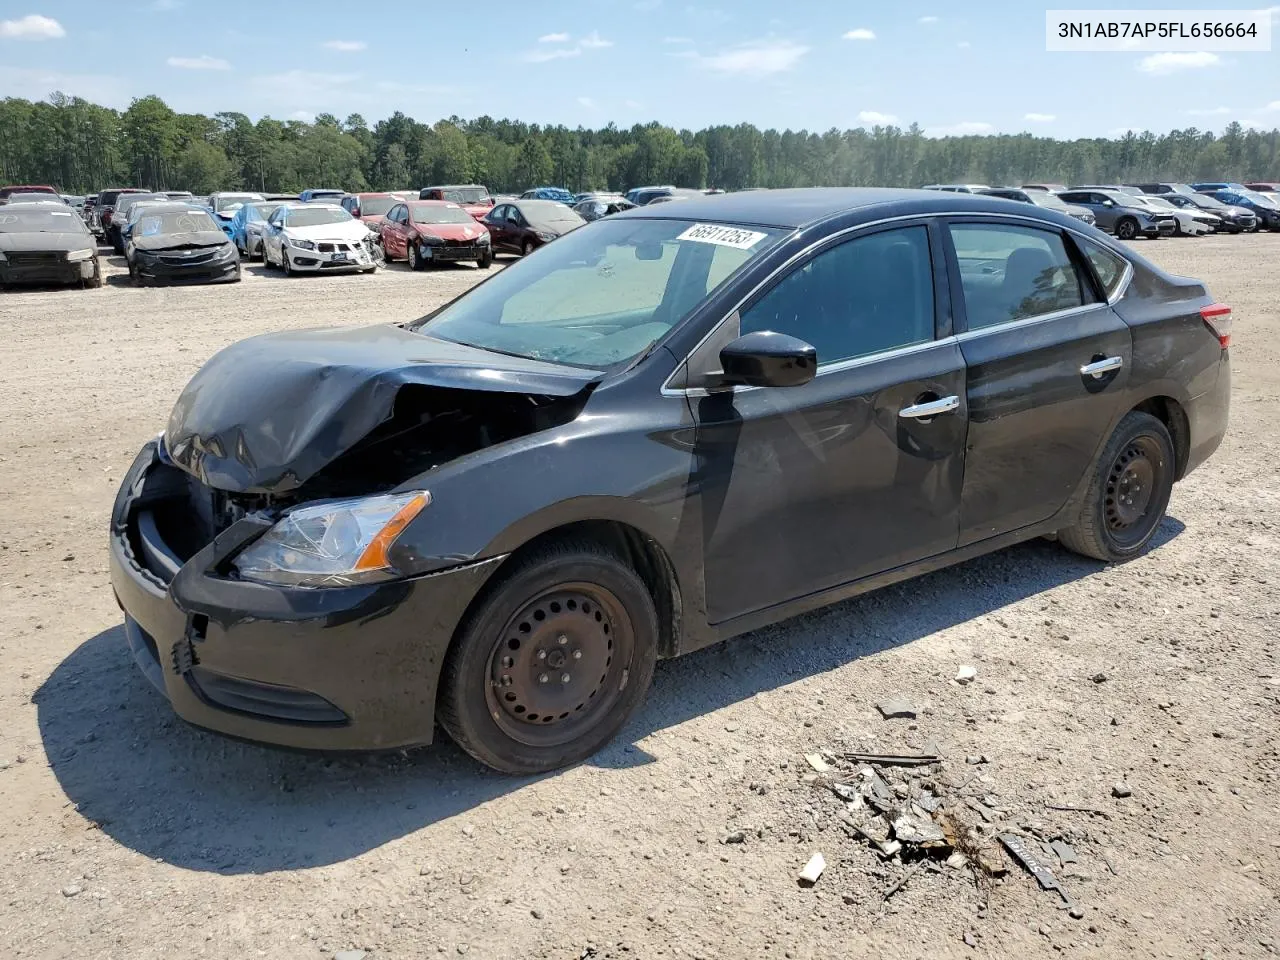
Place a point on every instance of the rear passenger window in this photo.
(1013, 273)
(1107, 265)
(869, 294)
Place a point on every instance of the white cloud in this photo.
(676, 40)
(876, 118)
(1160, 64)
(345, 46)
(559, 53)
(554, 38)
(758, 59)
(1212, 111)
(33, 84)
(306, 116)
(1273, 105)
(861, 33)
(32, 27)
(587, 102)
(964, 44)
(593, 41)
(203, 62)
(1039, 117)
(927, 20)
(966, 128)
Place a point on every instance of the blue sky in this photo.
(976, 67)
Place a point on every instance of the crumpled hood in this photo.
(268, 413)
(458, 232)
(171, 241)
(342, 230)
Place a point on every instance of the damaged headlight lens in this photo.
(335, 544)
(80, 254)
(301, 244)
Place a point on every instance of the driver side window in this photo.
(867, 295)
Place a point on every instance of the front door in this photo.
(1048, 364)
(860, 470)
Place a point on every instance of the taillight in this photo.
(1217, 317)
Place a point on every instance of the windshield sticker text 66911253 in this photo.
(724, 236)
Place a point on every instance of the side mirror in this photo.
(767, 359)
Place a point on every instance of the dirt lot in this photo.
(127, 834)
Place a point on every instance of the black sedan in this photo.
(672, 426)
(522, 226)
(46, 243)
(593, 208)
(179, 243)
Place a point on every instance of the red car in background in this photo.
(369, 207)
(25, 188)
(471, 197)
(431, 231)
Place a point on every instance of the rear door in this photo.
(1048, 362)
(858, 471)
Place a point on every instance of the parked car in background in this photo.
(281, 196)
(1264, 186)
(223, 206)
(1050, 187)
(1041, 198)
(500, 516)
(603, 205)
(369, 207)
(558, 194)
(326, 194)
(86, 212)
(37, 197)
(956, 187)
(524, 225)
(72, 200)
(180, 195)
(643, 196)
(1188, 223)
(7, 191)
(1211, 187)
(1265, 210)
(425, 232)
(317, 237)
(1163, 188)
(249, 224)
(105, 207)
(120, 217)
(44, 243)
(1118, 213)
(472, 197)
(1233, 219)
(180, 243)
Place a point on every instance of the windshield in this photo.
(465, 195)
(315, 216)
(376, 206)
(601, 295)
(233, 201)
(1042, 198)
(1207, 203)
(265, 210)
(433, 214)
(178, 221)
(547, 213)
(1160, 203)
(43, 219)
(1260, 199)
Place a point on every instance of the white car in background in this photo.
(1191, 222)
(315, 238)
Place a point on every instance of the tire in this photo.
(564, 611)
(95, 282)
(526, 248)
(1127, 228)
(1128, 493)
(486, 260)
(411, 255)
(285, 263)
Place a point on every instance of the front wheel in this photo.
(1128, 494)
(411, 253)
(552, 662)
(1127, 228)
(285, 263)
(486, 260)
(526, 248)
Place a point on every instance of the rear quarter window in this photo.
(1108, 266)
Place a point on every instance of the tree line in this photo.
(80, 147)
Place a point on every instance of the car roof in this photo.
(166, 206)
(804, 206)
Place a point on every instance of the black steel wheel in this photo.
(1129, 492)
(552, 662)
(1127, 228)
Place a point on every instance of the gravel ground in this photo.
(127, 834)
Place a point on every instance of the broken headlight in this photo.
(334, 544)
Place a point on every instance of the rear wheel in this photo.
(1128, 494)
(1127, 228)
(552, 662)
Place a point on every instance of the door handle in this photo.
(1100, 368)
(923, 411)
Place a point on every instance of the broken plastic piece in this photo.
(813, 869)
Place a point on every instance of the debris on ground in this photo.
(815, 760)
(813, 869)
(966, 674)
(1121, 790)
(896, 708)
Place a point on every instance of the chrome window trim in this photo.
(669, 391)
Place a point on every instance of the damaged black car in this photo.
(44, 243)
(179, 243)
(671, 426)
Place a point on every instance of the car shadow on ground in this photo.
(208, 803)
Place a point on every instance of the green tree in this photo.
(533, 164)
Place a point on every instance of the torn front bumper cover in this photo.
(346, 668)
(45, 268)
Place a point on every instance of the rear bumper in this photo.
(350, 668)
(1207, 416)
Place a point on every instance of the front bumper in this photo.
(454, 254)
(51, 268)
(347, 668)
(160, 270)
(330, 260)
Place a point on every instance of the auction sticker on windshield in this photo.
(723, 236)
